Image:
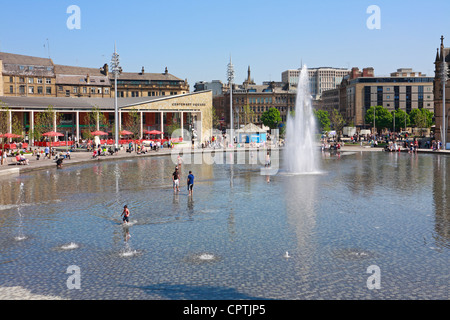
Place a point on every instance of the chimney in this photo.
(87, 78)
(105, 69)
(142, 71)
(166, 71)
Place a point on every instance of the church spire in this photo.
(442, 49)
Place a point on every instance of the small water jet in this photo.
(70, 246)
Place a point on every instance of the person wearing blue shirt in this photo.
(190, 182)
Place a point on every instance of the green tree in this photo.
(401, 119)
(246, 114)
(421, 118)
(91, 121)
(132, 123)
(323, 120)
(271, 118)
(383, 118)
(45, 121)
(337, 121)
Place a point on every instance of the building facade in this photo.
(361, 90)
(26, 76)
(442, 58)
(320, 79)
(187, 112)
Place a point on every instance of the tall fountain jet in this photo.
(301, 149)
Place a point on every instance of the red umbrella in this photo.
(53, 134)
(99, 133)
(125, 133)
(153, 132)
(9, 135)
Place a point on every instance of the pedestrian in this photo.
(125, 214)
(47, 151)
(268, 159)
(190, 182)
(176, 180)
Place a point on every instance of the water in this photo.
(230, 239)
(301, 149)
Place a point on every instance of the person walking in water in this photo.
(125, 214)
(190, 182)
(176, 180)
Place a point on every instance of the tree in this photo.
(383, 118)
(401, 120)
(421, 118)
(271, 118)
(246, 114)
(132, 122)
(337, 121)
(91, 120)
(323, 120)
(45, 121)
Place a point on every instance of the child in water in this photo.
(125, 214)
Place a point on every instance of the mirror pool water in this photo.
(242, 235)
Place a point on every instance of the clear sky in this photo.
(195, 39)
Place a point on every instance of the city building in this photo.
(442, 56)
(39, 77)
(83, 82)
(144, 84)
(404, 89)
(251, 100)
(185, 111)
(320, 79)
(26, 76)
(216, 86)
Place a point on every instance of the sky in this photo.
(195, 39)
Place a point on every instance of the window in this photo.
(30, 80)
(67, 93)
(48, 90)
(21, 67)
(92, 90)
(99, 90)
(31, 90)
(22, 89)
(84, 90)
(40, 90)
(11, 79)
(107, 90)
(60, 88)
(39, 80)
(75, 90)
(11, 89)
(48, 81)
(22, 79)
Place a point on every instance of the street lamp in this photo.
(116, 70)
(230, 76)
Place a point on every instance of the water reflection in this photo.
(441, 196)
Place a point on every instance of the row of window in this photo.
(265, 100)
(133, 94)
(31, 80)
(39, 90)
(261, 109)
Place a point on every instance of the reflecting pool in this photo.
(230, 239)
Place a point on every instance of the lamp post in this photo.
(116, 69)
(230, 76)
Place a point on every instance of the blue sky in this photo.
(194, 39)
